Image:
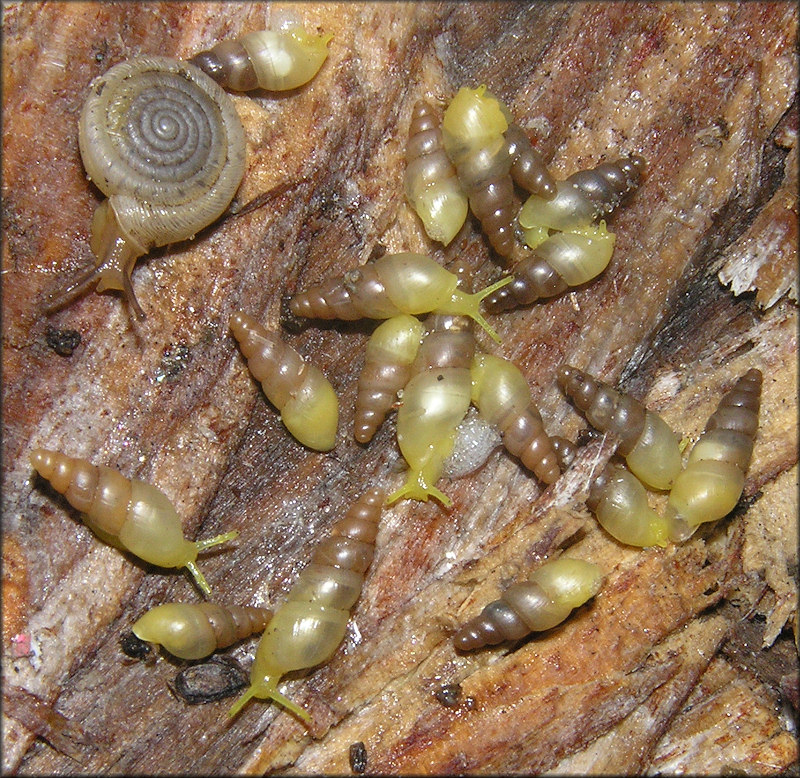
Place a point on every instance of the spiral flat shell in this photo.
(165, 144)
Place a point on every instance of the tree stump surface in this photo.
(682, 661)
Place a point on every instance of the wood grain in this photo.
(707, 93)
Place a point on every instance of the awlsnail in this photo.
(474, 130)
(651, 449)
(434, 402)
(394, 284)
(161, 139)
(577, 250)
(268, 59)
(195, 630)
(550, 594)
(712, 482)
(431, 184)
(706, 490)
(390, 352)
(475, 133)
(125, 512)
(309, 626)
(306, 400)
(503, 397)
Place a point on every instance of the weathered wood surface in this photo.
(707, 94)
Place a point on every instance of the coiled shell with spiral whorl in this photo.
(164, 143)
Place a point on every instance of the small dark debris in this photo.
(63, 342)
(586, 436)
(358, 757)
(134, 647)
(448, 694)
(219, 677)
(173, 362)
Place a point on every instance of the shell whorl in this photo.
(165, 144)
(651, 449)
(431, 184)
(540, 603)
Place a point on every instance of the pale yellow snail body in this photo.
(491, 154)
(503, 397)
(431, 184)
(707, 489)
(568, 248)
(619, 501)
(305, 398)
(164, 143)
(195, 630)
(268, 59)
(125, 512)
(394, 284)
(549, 595)
(434, 402)
(651, 449)
(309, 626)
(712, 482)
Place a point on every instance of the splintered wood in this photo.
(701, 287)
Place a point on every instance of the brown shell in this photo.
(449, 342)
(605, 408)
(738, 410)
(232, 623)
(605, 186)
(528, 168)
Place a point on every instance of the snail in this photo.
(195, 630)
(161, 139)
(308, 627)
(585, 196)
(706, 490)
(650, 448)
(578, 250)
(527, 165)
(431, 184)
(503, 397)
(270, 59)
(434, 402)
(565, 449)
(712, 482)
(127, 513)
(548, 596)
(390, 352)
(473, 130)
(393, 284)
(305, 398)
(490, 154)
(619, 501)
(164, 143)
